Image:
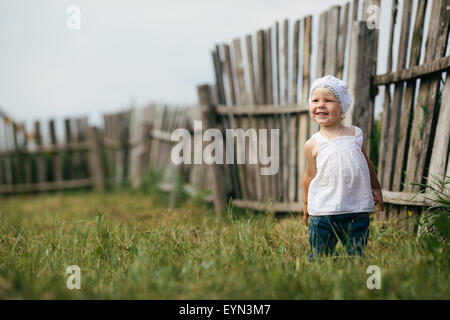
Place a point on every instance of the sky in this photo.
(125, 53)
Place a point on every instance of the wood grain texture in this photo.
(391, 146)
(359, 83)
(387, 99)
(342, 43)
(257, 192)
(332, 37)
(304, 119)
(408, 101)
(209, 119)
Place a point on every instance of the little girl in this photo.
(340, 182)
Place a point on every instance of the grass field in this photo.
(128, 245)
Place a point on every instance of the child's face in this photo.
(324, 108)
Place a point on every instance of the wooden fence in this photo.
(31, 163)
(269, 90)
(267, 87)
(416, 118)
(151, 140)
(131, 143)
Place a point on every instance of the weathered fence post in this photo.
(56, 155)
(360, 78)
(209, 119)
(16, 162)
(95, 158)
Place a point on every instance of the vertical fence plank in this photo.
(342, 43)
(292, 119)
(359, 83)
(219, 79)
(332, 40)
(118, 164)
(209, 119)
(256, 177)
(224, 122)
(408, 101)
(278, 119)
(295, 58)
(56, 155)
(69, 161)
(239, 71)
(270, 179)
(384, 136)
(260, 62)
(261, 99)
(229, 74)
(251, 70)
(249, 169)
(16, 155)
(391, 147)
(76, 156)
(238, 170)
(40, 161)
(286, 61)
(268, 66)
(25, 158)
(277, 62)
(8, 148)
(137, 139)
(373, 71)
(126, 145)
(95, 158)
(321, 45)
(320, 62)
(284, 118)
(304, 119)
(82, 137)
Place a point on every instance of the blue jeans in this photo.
(352, 229)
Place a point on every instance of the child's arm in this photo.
(310, 173)
(374, 182)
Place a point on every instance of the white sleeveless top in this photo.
(342, 183)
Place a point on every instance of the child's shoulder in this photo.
(312, 146)
(351, 130)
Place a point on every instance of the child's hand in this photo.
(378, 198)
(305, 214)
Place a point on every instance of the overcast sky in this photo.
(134, 50)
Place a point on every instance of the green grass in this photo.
(130, 247)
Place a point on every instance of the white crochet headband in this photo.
(337, 86)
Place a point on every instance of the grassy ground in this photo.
(129, 246)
